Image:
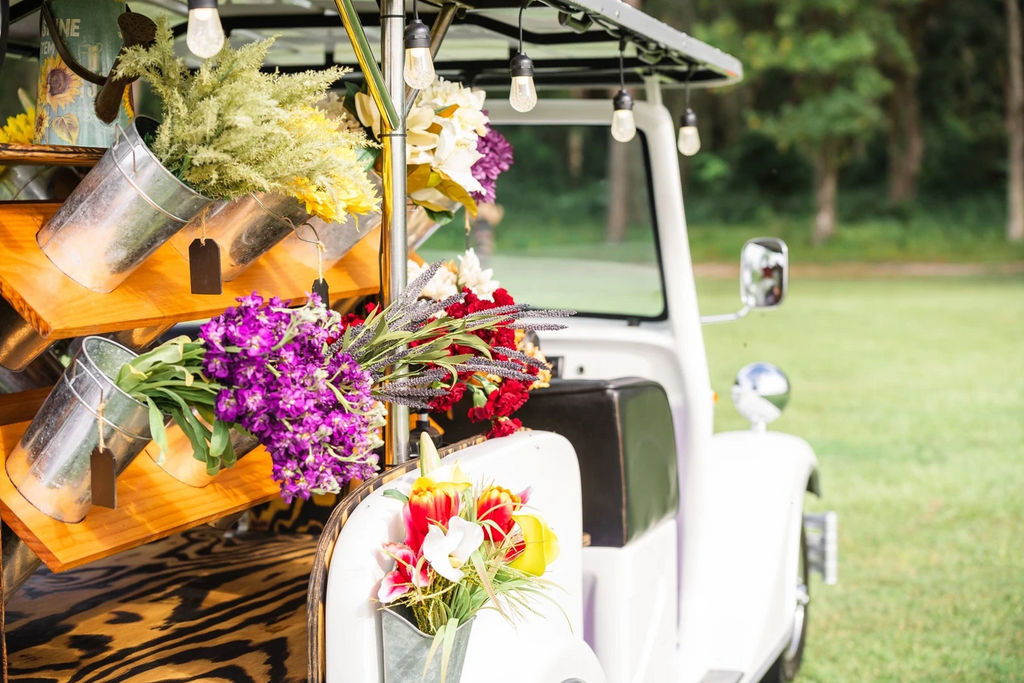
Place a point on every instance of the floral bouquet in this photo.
(452, 153)
(466, 548)
(230, 129)
(495, 398)
(308, 386)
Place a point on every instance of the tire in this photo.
(788, 664)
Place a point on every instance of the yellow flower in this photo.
(59, 84)
(126, 102)
(540, 544)
(19, 129)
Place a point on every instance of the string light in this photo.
(689, 136)
(623, 123)
(205, 35)
(419, 65)
(523, 94)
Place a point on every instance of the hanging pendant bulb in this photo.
(419, 66)
(689, 136)
(205, 35)
(623, 123)
(523, 95)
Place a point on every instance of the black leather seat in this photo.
(624, 438)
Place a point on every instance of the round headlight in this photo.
(760, 393)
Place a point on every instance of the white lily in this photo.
(439, 287)
(480, 281)
(446, 552)
(455, 157)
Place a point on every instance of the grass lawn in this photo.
(911, 391)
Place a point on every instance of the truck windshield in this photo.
(572, 226)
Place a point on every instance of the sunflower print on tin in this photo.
(64, 101)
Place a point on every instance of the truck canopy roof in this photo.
(572, 42)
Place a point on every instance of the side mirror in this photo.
(764, 273)
(764, 278)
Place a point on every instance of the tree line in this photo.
(900, 93)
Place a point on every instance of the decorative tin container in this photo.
(244, 228)
(65, 107)
(124, 209)
(50, 467)
(406, 649)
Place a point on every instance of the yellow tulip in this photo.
(540, 544)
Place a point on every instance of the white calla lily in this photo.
(446, 552)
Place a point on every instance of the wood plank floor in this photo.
(198, 606)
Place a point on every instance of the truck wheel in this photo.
(786, 666)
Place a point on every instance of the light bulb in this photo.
(689, 141)
(523, 95)
(205, 36)
(689, 136)
(623, 125)
(419, 67)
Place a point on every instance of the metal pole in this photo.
(393, 172)
(437, 33)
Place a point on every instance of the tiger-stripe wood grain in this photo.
(197, 607)
(317, 599)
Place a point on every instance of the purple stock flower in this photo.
(497, 159)
(279, 387)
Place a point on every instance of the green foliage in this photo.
(169, 379)
(228, 129)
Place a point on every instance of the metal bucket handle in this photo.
(85, 404)
(118, 133)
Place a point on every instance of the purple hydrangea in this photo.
(314, 413)
(497, 159)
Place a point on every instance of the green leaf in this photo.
(396, 494)
(449, 640)
(220, 439)
(156, 427)
(440, 217)
(438, 639)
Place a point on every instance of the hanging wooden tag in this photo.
(104, 479)
(204, 266)
(321, 290)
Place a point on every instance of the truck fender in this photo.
(758, 481)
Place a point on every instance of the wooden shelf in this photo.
(151, 505)
(158, 292)
(49, 155)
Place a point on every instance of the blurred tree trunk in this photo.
(617, 220)
(1015, 123)
(826, 188)
(906, 141)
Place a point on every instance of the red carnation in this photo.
(504, 427)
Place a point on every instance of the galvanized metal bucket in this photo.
(20, 344)
(419, 226)
(38, 183)
(406, 649)
(244, 228)
(50, 467)
(180, 461)
(337, 238)
(126, 207)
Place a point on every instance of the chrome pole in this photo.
(393, 173)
